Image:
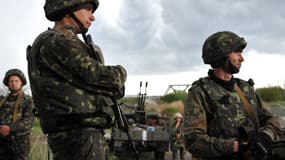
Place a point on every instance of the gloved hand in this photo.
(120, 93)
(260, 146)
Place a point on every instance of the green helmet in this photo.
(15, 72)
(58, 8)
(177, 115)
(220, 44)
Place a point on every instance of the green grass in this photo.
(39, 146)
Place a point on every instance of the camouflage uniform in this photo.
(214, 112)
(73, 91)
(177, 145)
(17, 113)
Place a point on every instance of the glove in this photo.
(121, 93)
(260, 146)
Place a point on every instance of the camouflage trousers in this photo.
(14, 148)
(177, 147)
(80, 144)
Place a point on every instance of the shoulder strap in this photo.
(246, 104)
(16, 108)
(3, 101)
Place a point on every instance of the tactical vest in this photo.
(16, 107)
(225, 110)
(54, 118)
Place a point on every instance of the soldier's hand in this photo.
(121, 93)
(261, 145)
(4, 130)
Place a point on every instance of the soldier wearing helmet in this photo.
(16, 116)
(222, 112)
(72, 87)
(177, 144)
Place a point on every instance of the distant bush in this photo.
(175, 96)
(132, 100)
(169, 111)
(271, 94)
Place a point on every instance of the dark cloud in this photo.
(153, 36)
(157, 37)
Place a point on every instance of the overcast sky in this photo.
(160, 41)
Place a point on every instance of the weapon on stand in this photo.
(142, 97)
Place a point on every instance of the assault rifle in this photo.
(14, 144)
(123, 124)
(258, 150)
(120, 117)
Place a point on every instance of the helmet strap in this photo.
(229, 67)
(81, 26)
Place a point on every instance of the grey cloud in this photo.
(155, 36)
(169, 37)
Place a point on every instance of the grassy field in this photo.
(39, 146)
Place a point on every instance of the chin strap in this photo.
(81, 26)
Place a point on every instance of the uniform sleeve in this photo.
(269, 124)
(197, 140)
(69, 57)
(25, 123)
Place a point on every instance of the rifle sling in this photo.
(246, 105)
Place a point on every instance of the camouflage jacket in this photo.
(24, 116)
(68, 84)
(213, 115)
(175, 142)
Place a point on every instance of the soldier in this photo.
(16, 118)
(72, 88)
(177, 137)
(224, 118)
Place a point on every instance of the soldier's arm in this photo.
(197, 140)
(269, 124)
(26, 121)
(69, 55)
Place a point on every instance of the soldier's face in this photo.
(85, 16)
(232, 64)
(14, 84)
(236, 59)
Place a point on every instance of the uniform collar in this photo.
(64, 28)
(228, 85)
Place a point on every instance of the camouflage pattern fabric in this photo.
(82, 144)
(177, 145)
(56, 9)
(71, 89)
(213, 115)
(20, 130)
(67, 81)
(220, 44)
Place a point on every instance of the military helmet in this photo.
(220, 44)
(15, 72)
(58, 8)
(177, 115)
